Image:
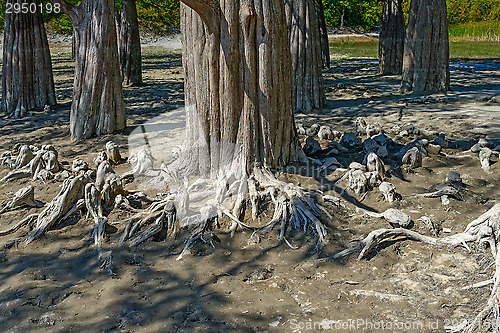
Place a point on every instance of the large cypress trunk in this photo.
(238, 86)
(392, 34)
(426, 51)
(307, 55)
(130, 44)
(97, 106)
(27, 82)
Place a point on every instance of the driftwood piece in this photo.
(442, 190)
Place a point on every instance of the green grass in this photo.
(354, 49)
(478, 49)
(476, 30)
(460, 49)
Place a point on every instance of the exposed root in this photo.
(27, 220)
(25, 197)
(294, 207)
(72, 190)
(161, 216)
(40, 164)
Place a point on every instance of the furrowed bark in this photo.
(130, 44)
(97, 106)
(426, 51)
(304, 30)
(391, 42)
(238, 88)
(27, 81)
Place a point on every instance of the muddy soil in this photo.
(54, 285)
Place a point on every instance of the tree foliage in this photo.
(161, 15)
(364, 13)
(367, 13)
(157, 16)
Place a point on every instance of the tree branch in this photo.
(204, 8)
(72, 12)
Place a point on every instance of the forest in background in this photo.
(466, 17)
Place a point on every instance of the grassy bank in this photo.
(458, 49)
(475, 31)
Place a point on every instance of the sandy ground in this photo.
(52, 285)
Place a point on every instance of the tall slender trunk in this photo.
(27, 81)
(391, 41)
(426, 51)
(130, 44)
(238, 86)
(97, 106)
(307, 55)
(342, 17)
(323, 31)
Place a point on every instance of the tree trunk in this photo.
(307, 54)
(27, 82)
(73, 46)
(238, 86)
(342, 17)
(325, 44)
(130, 44)
(97, 106)
(391, 42)
(426, 52)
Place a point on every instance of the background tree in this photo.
(130, 44)
(304, 31)
(426, 51)
(97, 106)
(391, 40)
(27, 82)
(325, 45)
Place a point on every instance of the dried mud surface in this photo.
(257, 287)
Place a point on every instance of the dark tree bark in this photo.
(392, 35)
(426, 51)
(238, 86)
(307, 55)
(325, 44)
(73, 46)
(27, 82)
(130, 44)
(97, 106)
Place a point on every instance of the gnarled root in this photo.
(25, 197)
(160, 216)
(26, 221)
(72, 190)
(293, 207)
(33, 162)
